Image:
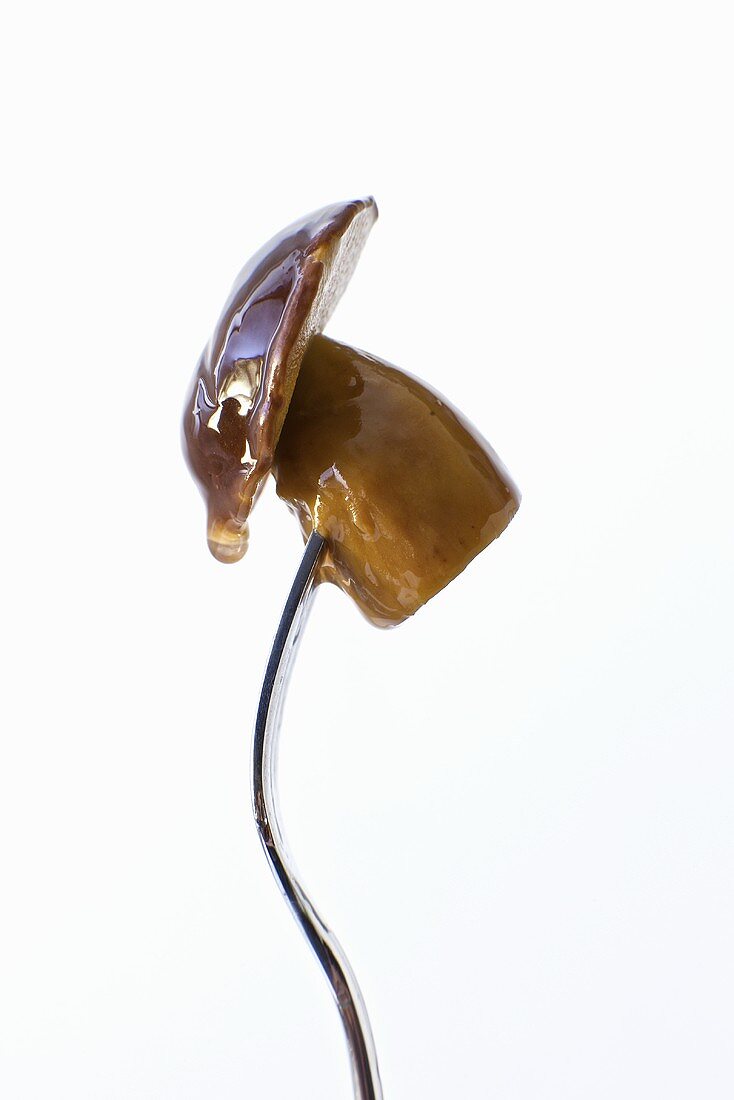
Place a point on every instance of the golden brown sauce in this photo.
(404, 490)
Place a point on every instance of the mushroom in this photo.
(402, 487)
(246, 374)
(404, 490)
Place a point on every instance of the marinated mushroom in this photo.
(246, 374)
(401, 486)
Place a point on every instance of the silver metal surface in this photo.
(365, 1074)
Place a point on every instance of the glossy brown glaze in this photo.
(243, 383)
(402, 487)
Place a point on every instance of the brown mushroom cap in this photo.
(247, 373)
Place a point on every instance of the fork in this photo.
(331, 956)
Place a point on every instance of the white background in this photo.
(516, 809)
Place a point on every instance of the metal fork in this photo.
(362, 1054)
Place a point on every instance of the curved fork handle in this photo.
(363, 1057)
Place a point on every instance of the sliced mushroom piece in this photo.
(245, 378)
(404, 490)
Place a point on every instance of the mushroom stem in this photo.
(403, 487)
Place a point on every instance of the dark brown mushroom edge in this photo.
(402, 487)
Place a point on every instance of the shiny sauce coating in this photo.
(401, 486)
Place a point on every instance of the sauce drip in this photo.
(402, 487)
